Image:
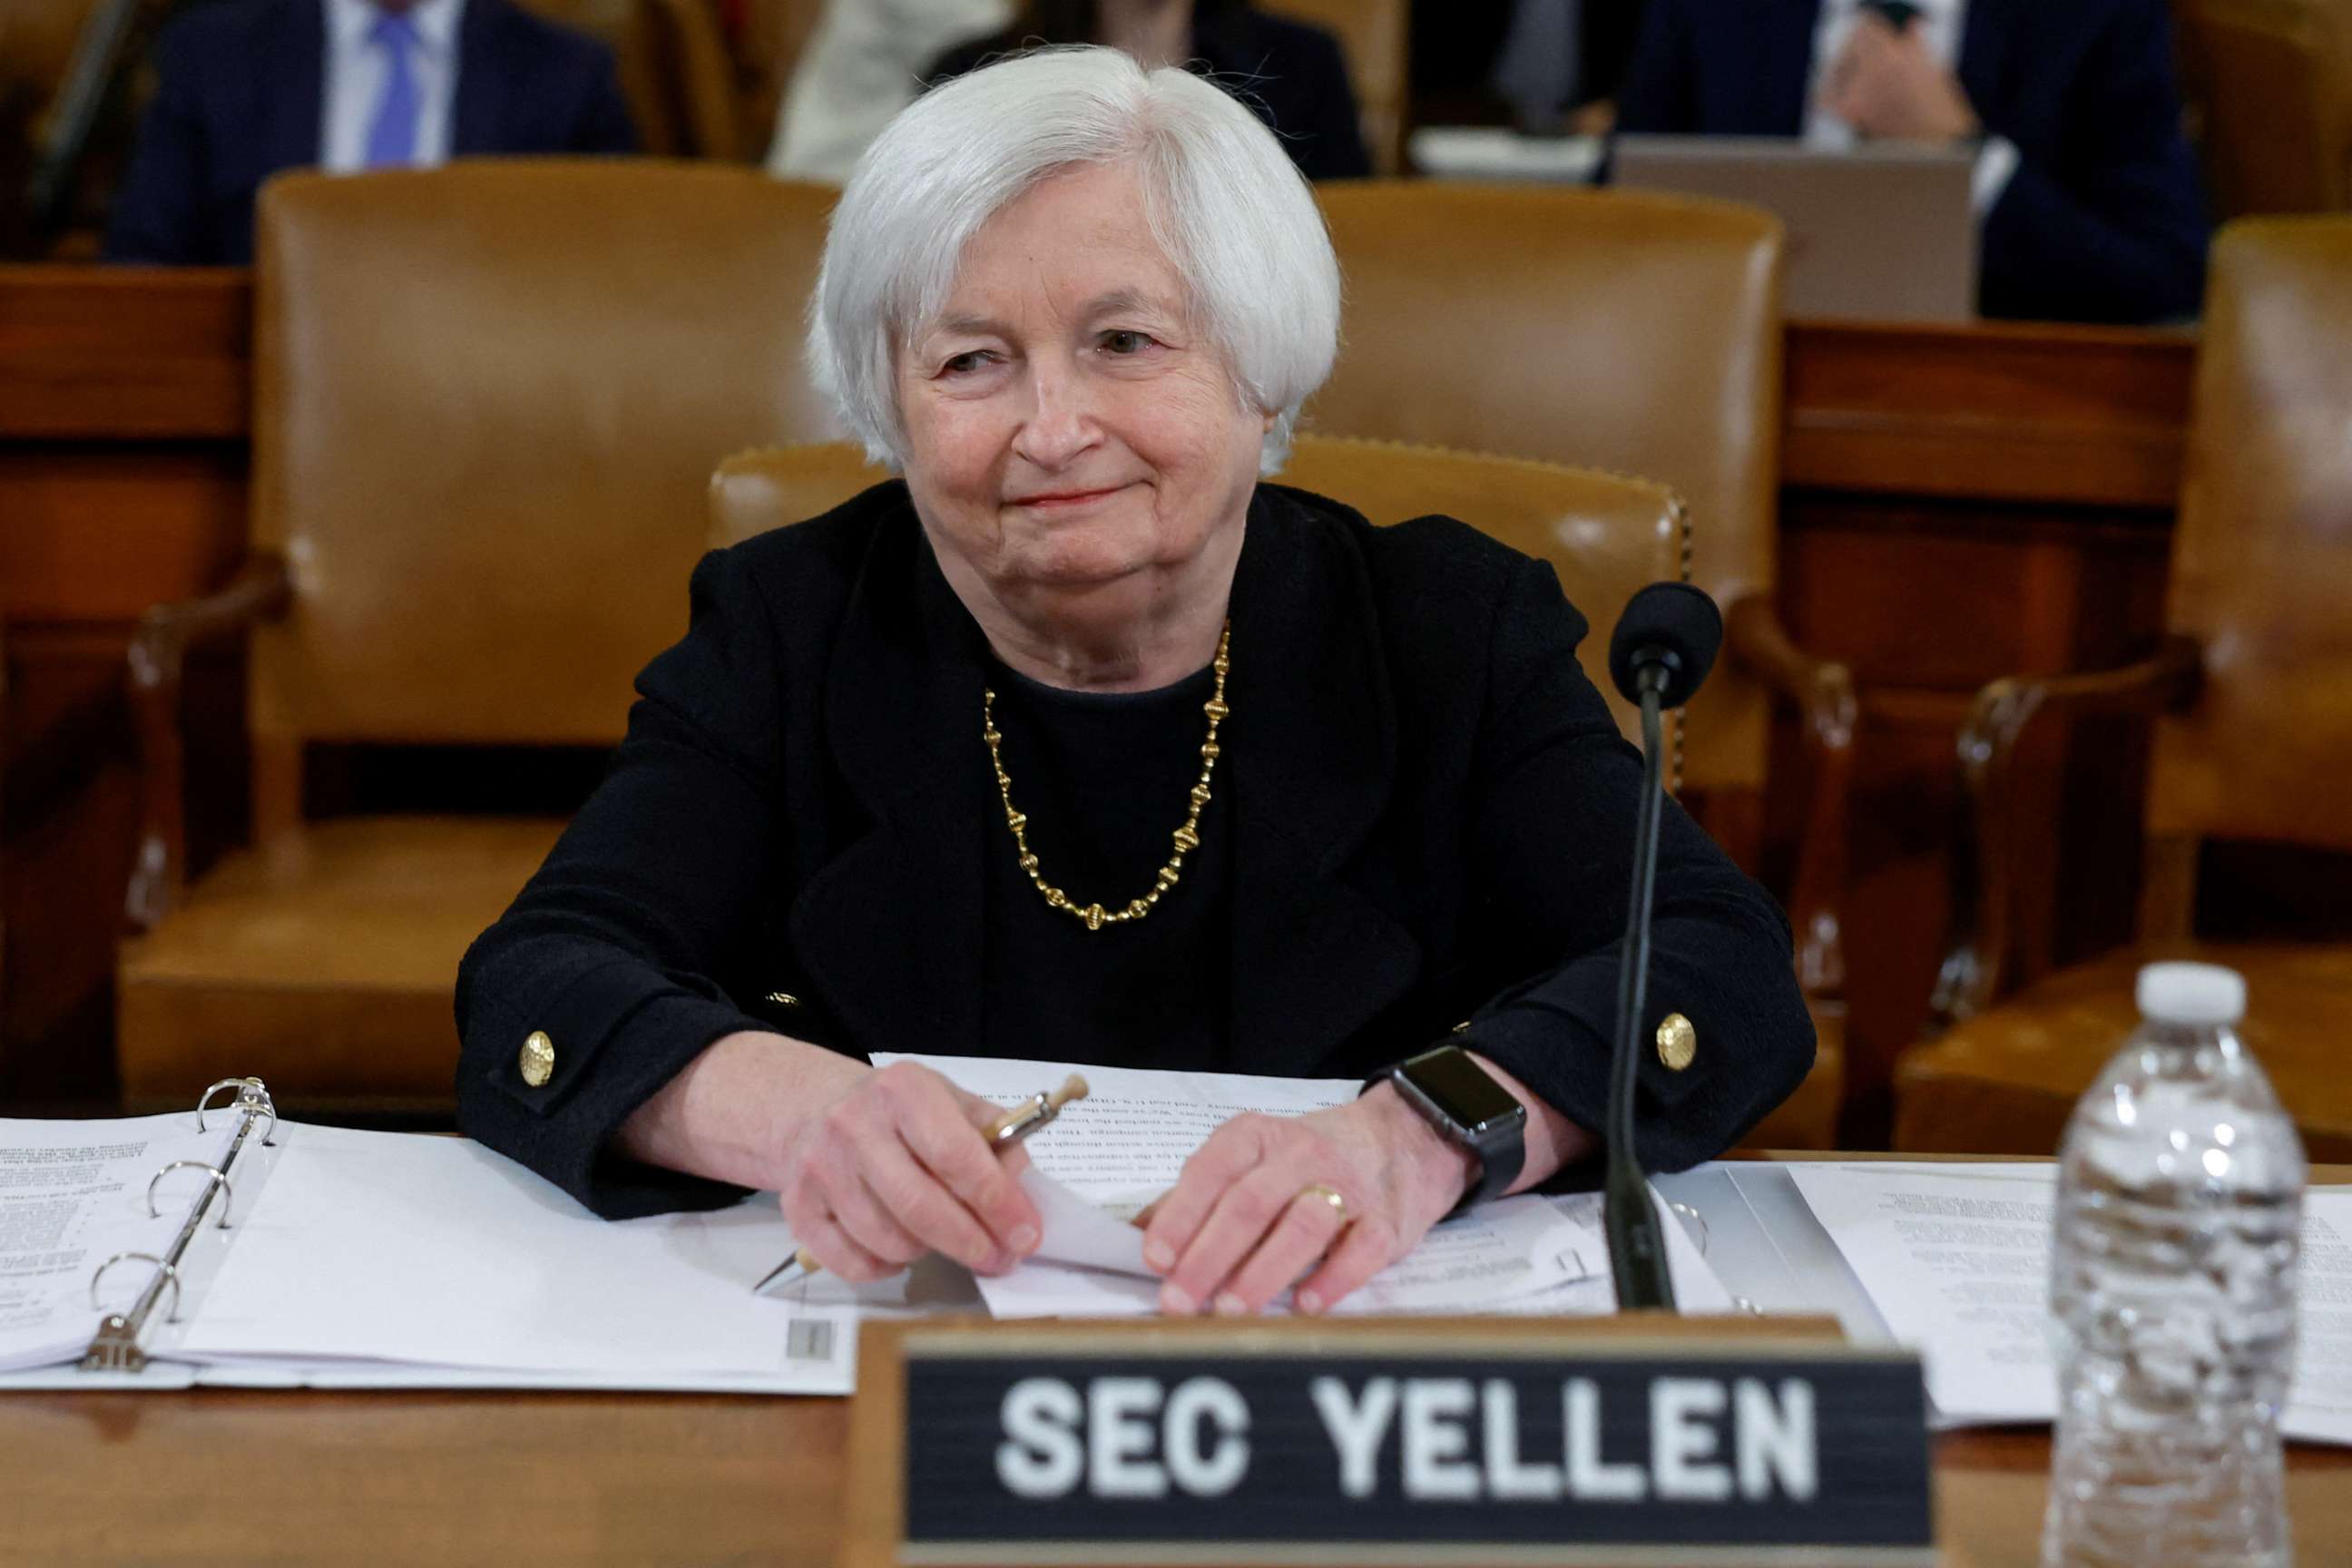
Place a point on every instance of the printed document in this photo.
(1111, 1154)
(376, 1251)
(1956, 1256)
(74, 1194)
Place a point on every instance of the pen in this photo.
(1006, 1130)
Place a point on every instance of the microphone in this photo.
(1665, 644)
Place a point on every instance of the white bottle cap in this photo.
(2192, 994)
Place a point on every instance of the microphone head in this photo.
(1669, 625)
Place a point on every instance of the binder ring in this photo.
(252, 1099)
(1684, 1210)
(171, 1273)
(219, 1180)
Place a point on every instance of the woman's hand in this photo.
(1240, 1225)
(893, 1166)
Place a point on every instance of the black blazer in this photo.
(1291, 74)
(240, 95)
(1432, 813)
(2102, 220)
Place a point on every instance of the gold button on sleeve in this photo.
(537, 1058)
(1677, 1042)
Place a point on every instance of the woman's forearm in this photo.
(1552, 1140)
(732, 1113)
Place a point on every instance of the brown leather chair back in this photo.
(673, 68)
(702, 79)
(1626, 331)
(766, 48)
(488, 400)
(1605, 535)
(2272, 81)
(770, 487)
(1373, 39)
(2262, 563)
(37, 38)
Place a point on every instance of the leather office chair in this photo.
(2252, 687)
(37, 45)
(1640, 334)
(673, 70)
(40, 40)
(766, 48)
(2270, 82)
(1605, 535)
(488, 400)
(1373, 39)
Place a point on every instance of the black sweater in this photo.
(1431, 821)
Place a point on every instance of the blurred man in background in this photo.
(249, 88)
(2085, 189)
(1561, 62)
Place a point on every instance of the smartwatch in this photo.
(1470, 1110)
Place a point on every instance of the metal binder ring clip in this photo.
(252, 1099)
(1695, 1217)
(229, 1194)
(171, 1273)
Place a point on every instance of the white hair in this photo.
(1232, 212)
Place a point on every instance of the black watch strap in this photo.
(1470, 1110)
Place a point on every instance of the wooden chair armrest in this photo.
(158, 654)
(1985, 874)
(1829, 707)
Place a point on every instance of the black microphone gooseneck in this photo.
(1663, 647)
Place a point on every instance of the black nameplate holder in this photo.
(1632, 1439)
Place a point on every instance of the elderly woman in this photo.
(1083, 743)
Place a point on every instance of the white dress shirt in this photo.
(355, 69)
(862, 64)
(1940, 25)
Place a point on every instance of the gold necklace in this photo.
(1188, 836)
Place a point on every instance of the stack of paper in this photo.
(359, 1259)
(74, 1194)
(1956, 1258)
(1127, 1142)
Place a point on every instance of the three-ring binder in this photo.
(115, 1346)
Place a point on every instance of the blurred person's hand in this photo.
(1886, 86)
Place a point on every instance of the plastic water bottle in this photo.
(2172, 1284)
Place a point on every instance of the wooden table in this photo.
(236, 1478)
(231, 1477)
(1958, 503)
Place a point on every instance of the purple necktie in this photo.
(392, 135)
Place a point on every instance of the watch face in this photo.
(1461, 1089)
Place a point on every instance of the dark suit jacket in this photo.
(240, 95)
(1432, 813)
(1292, 74)
(2102, 222)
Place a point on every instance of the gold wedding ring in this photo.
(1322, 1193)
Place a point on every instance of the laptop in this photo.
(1883, 232)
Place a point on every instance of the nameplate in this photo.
(1442, 1441)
